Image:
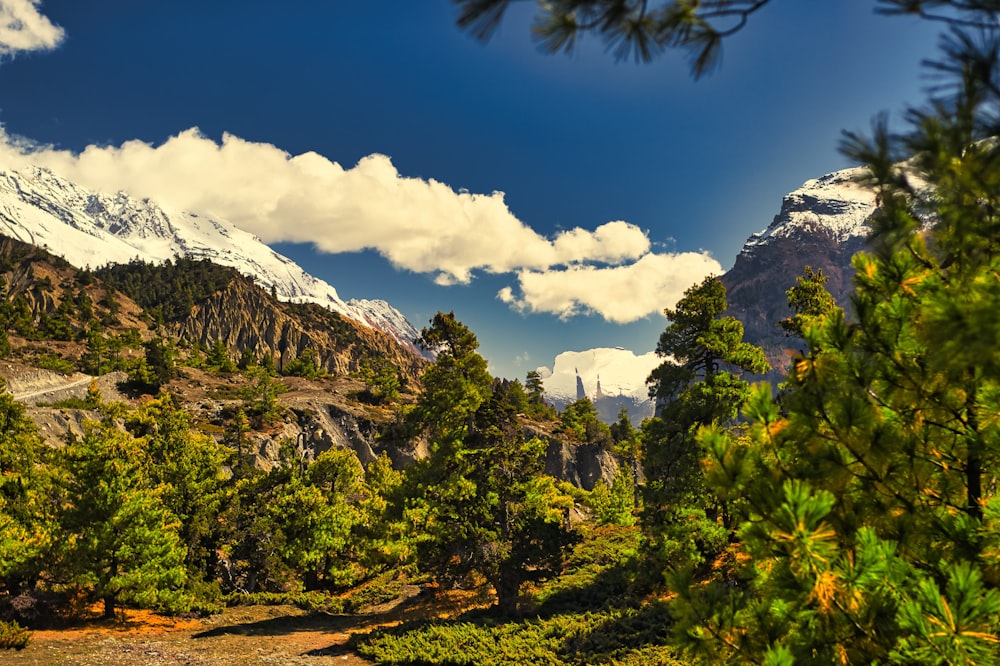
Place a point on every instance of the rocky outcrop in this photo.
(244, 316)
(583, 465)
(822, 224)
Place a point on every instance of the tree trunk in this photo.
(507, 586)
(109, 607)
(974, 460)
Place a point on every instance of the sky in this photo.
(554, 203)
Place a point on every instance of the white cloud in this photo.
(620, 294)
(23, 28)
(620, 371)
(419, 225)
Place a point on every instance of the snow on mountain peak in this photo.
(837, 202)
(91, 229)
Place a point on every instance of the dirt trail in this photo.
(55, 388)
(32, 385)
(246, 636)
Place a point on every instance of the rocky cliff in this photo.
(244, 316)
(822, 224)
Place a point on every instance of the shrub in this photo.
(13, 636)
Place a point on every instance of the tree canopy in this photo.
(870, 518)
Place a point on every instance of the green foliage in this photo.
(581, 422)
(625, 636)
(166, 291)
(868, 511)
(698, 386)
(294, 528)
(218, 358)
(640, 30)
(307, 364)
(455, 384)
(809, 301)
(599, 572)
(260, 396)
(55, 363)
(614, 505)
(13, 636)
(314, 601)
(122, 542)
(480, 502)
(186, 466)
(534, 386)
(156, 368)
(25, 509)
(383, 380)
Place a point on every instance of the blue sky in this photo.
(622, 184)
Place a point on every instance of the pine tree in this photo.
(696, 387)
(121, 541)
(186, 466)
(870, 519)
(480, 502)
(26, 532)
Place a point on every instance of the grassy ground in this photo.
(586, 616)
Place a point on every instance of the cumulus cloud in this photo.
(419, 225)
(620, 371)
(620, 294)
(23, 28)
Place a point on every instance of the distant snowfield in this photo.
(620, 371)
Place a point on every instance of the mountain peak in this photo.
(91, 229)
(837, 204)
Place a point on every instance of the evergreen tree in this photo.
(25, 522)
(480, 502)
(534, 386)
(260, 396)
(582, 423)
(307, 364)
(121, 542)
(218, 358)
(870, 516)
(693, 388)
(186, 466)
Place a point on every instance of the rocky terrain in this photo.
(47, 298)
(822, 224)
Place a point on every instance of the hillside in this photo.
(65, 327)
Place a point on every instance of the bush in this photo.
(55, 363)
(13, 636)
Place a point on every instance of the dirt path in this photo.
(244, 636)
(28, 395)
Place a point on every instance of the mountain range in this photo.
(90, 229)
(822, 224)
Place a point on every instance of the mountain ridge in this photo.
(91, 229)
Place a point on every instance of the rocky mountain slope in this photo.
(821, 224)
(91, 229)
(54, 319)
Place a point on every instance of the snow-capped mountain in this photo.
(821, 224)
(91, 229)
(835, 203)
(611, 377)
